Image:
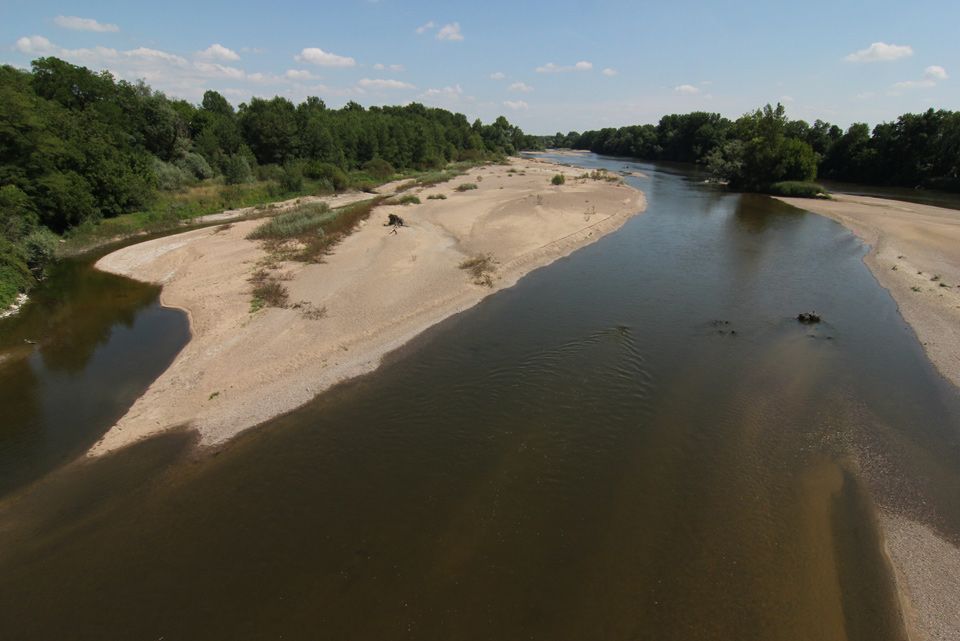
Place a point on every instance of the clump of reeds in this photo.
(481, 268)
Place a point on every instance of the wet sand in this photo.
(379, 290)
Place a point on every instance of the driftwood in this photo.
(808, 318)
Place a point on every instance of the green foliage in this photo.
(293, 224)
(379, 168)
(437, 197)
(291, 178)
(15, 275)
(797, 189)
(466, 187)
(917, 150)
(236, 170)
(558, 179)
(40, 248)
(196, 166)
(310, 232)
(171, 177)
(408, 199)
(329, 172)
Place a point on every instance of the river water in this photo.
(636, 442)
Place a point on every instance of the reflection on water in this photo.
(636, 442)
(75, 358)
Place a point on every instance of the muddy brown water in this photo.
(637, 442)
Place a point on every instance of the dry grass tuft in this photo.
(482, 268)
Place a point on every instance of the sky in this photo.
(546, 66)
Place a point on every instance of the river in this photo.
(636, 442)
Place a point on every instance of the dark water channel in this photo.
(637, 442)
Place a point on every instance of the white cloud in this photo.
(382, 67)
(323, 58)
(686, 89)
(609, 72)
(455, 90)
(931, 75)
(84, 24)
(217, 51)
(425, 27)
(516, 105)
(298, 74)
(383, 83)
(914, 84)
(154, 54)
(95, 54)
(583, 65)
(34, 44)
(521, 87)
(450, 32)
(498, 75)
(880, 52)
(216, 70)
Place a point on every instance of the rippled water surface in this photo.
(637, 442)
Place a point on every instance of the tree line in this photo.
(765, 147)
(78, 146)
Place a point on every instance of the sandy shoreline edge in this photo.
(914, 253)
(913, 249)
(379, 290)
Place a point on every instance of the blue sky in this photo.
(551, 66)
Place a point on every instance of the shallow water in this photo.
(636, 442)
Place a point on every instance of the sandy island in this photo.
(379, 290)
(915, 254)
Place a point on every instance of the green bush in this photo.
(437, 197)
(558, 179)
(408, 199)
(15, 276)
(236, 170)
(379, 168)
(294, 223)
(797, 189)
(291, 179)
(170, 177)
(317, 170)
(196, 165)
(466, 187)
(40, 247)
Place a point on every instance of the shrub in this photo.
(324, 170)
(236, 170)
(797, 189)
(170, 177)
(196, 165)
(558, 179)
(40, 247)
(379, 168)
(408, 199)
(294, 223)
(271, 293)
(15, 276)
(291, 179)
(466, 187)
(437, 197)
(481, 268)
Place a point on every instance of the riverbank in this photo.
(377, 290)
(915, 255)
